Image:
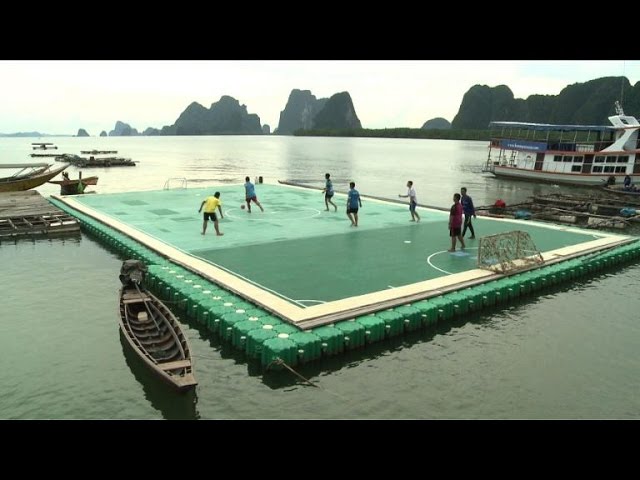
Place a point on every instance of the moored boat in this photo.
(587, 155)
(152, 331)
(25, 179)
(74, 187)
(621, 190)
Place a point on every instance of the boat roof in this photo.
(553, 128)
(23, 165)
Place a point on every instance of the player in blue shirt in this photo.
(250, 194)
(328, 193)
(353, 201)
(469, 211)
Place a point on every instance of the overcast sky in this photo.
(62, 96)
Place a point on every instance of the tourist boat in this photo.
(587, 155)
(152, 331)
(29, 175)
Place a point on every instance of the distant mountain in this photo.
(299, 112)
(337, 113)
(266, 129)
(82, 133)
(304, 112)
(588, 103)
(225, 117)
(103, 133)
(151, 131)
(437, 123)
(123, 130)
(24, 134)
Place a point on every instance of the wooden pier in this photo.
(28, 213)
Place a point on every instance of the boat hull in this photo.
(154, 334)
(28, 182)
(588, 180)
(70, 187)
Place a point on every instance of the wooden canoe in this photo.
(155, 336)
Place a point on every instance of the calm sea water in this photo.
(569, 353)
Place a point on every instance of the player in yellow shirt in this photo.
(210, 204)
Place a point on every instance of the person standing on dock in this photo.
(328, 193)
(469, 211)
(210, 204)
(413, 201)
(353, 201)
(250, 194)
(455, 223)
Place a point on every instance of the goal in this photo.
(508, 252)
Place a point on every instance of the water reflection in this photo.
(172, 405)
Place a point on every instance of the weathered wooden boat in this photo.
(620, 190)
(25, 179)
(152, 330)
(74, 187)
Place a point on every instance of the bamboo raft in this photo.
(596, 210)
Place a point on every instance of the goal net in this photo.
(508, 252)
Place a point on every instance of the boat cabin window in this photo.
(609, 169)
(577, 159)
(576, 168)
(567, 158)
(623, 159)
(557, 158)
(621, 169)
(597, 169)
(599, 159)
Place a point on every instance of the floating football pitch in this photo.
(302, 262)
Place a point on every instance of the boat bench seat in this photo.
(175, 365)
(135, 297)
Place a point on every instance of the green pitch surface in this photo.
(306, 255)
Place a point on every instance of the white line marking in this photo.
(444, 251)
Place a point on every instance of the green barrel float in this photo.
(195, 300)
(393, 322)
(205, 305)
(412, 319)
(214, 315)
(460, 303)
(353, 334)
(428, 312)
(332, 339)
(486, 295)
(474, 298)
(271, 320)
(309, 346)
(227, 321)
(242, 329)
(255, 339)
(285, 328)
(256, 312)
(280, 348)
(374, 328)
(445, 307)
(240, 304)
